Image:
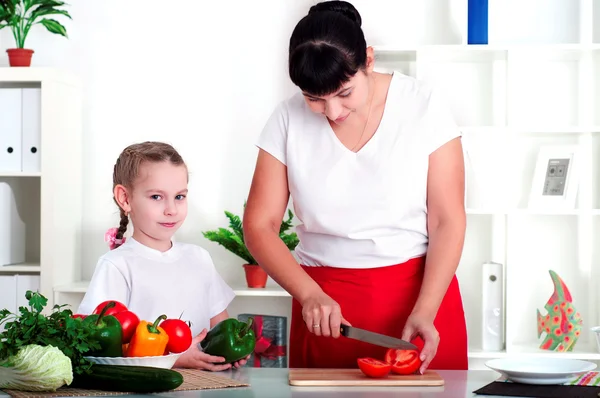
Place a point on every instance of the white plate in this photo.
(540, 370)
(162, 361)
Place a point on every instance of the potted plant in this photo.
(20, 16)
(232, 239)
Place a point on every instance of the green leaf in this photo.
(54, 26)
(235, 224)
(46, 10)
(36, 300)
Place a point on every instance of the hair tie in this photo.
(111, 238)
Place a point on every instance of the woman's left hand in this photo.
(421, 325)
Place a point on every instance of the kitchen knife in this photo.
(375, 338)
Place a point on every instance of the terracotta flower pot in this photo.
(19, 56)
(255, 276)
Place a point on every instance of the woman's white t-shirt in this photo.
(182, 282)
(366, 209)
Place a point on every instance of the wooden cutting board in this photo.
(354, 377)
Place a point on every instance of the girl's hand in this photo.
(420, 325)
(322, 315)
(195, 358)
(241, 362)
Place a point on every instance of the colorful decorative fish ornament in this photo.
(562, 324)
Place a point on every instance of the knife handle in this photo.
(344, 330)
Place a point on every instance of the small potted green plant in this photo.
(232, 239)
(20, 16)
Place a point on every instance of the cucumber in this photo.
(128, 379)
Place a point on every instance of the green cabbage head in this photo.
(36, 368)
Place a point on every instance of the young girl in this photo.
(150, 273)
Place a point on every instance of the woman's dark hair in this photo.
(327, 48)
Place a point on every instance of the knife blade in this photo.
(375, 338)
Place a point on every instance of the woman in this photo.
(374, 166)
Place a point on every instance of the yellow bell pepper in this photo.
(149, 339)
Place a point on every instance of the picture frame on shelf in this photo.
(556, 178)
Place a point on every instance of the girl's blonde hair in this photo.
(127, 170)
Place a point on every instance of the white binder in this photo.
(10, 129)
(12, 228)
(32, 126)
(493, 307)
(8, 294)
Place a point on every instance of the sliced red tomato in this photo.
(403, 362)
(373, 367)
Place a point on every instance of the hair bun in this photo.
(343, 7)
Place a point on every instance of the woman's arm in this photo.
(267, 201)
(264, 212)
(446, 224)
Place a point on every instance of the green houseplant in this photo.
(21, 15)
(232, 239)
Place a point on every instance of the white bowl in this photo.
(161, 361)
(596, 331)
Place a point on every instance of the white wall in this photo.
(201, 75)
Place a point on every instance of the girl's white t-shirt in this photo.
(182, 282)
(366, 209)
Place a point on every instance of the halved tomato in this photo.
(403, 362)
(373, 367)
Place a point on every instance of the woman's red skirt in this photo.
(380, 300)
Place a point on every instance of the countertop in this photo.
(266, 382)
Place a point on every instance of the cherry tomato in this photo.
(129, 322)
(403, 362)
(119, 307)
(373, 367)
(180, 335)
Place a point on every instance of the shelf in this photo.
(37, 75)
(500, 169)
(479, 248)
(596, 82)
(19, 174)
(17, 268)
(533, 350)
(472, 85)
(540, 212)
(596, 22)
(532, 101)
(531, 130)
(269, 291)
(401, 61)
(537, 244)
(75, 287)
(476, 49)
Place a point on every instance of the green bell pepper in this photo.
(230, 339)
(107, 331)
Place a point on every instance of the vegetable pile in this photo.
(43, 352)
(58, 329)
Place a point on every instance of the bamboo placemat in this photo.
(193, 379)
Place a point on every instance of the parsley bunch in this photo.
(58, 329)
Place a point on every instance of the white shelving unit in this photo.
(510, 99)
(49, 198)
